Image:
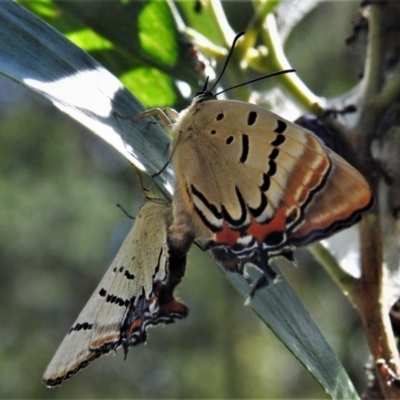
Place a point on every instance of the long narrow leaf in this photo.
(40, 58)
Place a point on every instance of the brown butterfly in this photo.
(254, 185)
(136, 292)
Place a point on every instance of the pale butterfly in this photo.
(136, 292)
(253, 185)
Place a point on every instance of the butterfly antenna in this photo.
(237, 37)
(175, 145)
(162, 169)
(124, 211)
(285, 71)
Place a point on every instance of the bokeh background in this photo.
(60, 229)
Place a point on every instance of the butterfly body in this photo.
(136, 292)
(254, 185)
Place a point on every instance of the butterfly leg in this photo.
(268, 275)
(167, 116)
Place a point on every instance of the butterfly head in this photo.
(205, 96)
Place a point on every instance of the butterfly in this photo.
(136, 292)
(253, 185)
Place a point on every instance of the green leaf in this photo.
(136, 41)
(284, 313)
(38, 57)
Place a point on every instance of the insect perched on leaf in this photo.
(136, 292)
(253, 185)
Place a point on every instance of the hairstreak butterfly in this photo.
(254, 185)
(136, 292)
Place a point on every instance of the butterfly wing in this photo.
(345, 193)
(137, 289)
(253, 181)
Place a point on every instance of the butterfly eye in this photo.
(205, 95)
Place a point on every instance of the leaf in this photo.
(284, 313)
(136, 41)
(38, 57)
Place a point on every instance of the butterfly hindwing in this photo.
(135, 292)
(344, 193)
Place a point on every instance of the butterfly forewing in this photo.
(252, 180)
(135, 292)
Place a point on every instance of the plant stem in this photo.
(369, 292)
(342, 278)
(277, 61)
(369, 297)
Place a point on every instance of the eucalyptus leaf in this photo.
(139, 42)
(284, 313)
(40, 58)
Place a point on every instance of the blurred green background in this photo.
(60, 229)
